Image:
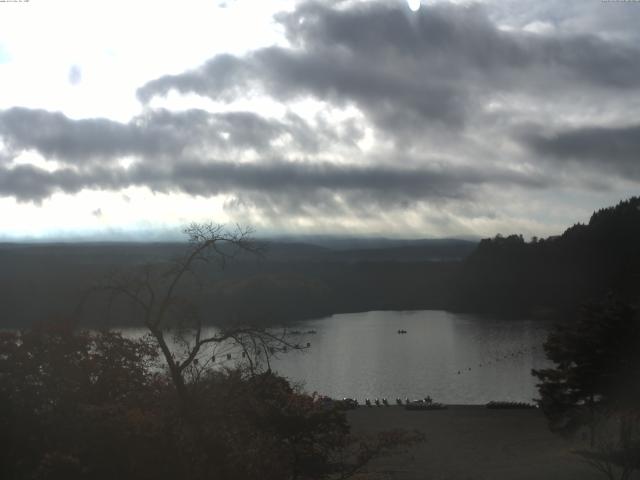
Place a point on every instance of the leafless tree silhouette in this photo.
(162, 298)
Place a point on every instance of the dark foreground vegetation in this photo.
(503, 275)
(79, 405)
(592, 392)
(76, 405)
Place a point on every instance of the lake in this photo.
(454, 358)
(451, 357)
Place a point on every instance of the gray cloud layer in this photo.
(299, 179)
(159, 133)
(411, 73)
(176, 152)
(435, 66)
(452, 90)
(614, 150)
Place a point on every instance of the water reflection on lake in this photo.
(361, 355)
(454, 358)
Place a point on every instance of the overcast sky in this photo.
(122, 119)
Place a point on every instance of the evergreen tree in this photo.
(597, 366)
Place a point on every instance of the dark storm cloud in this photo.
(405, 72)
(155, 134)
(611, 150)
(58, 137)
(335, 74)
(195, 152)
(298, 181)
(28, 183)
(435, 66)
(455, 40)
(300, 177)
(222, 76)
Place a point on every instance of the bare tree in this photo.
(162, 298)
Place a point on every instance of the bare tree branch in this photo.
(158, 295)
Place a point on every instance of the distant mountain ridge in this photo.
(300, 280)
(341, 242)
(350, 250)
(293, 281)
(326, 249)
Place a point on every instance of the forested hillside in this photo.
(290, 281)
(295, 281)
(507, 274)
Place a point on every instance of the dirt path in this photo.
(473, 443)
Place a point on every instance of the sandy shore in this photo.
(473, 443)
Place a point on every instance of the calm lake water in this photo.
(453, 358)
(361, 355)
